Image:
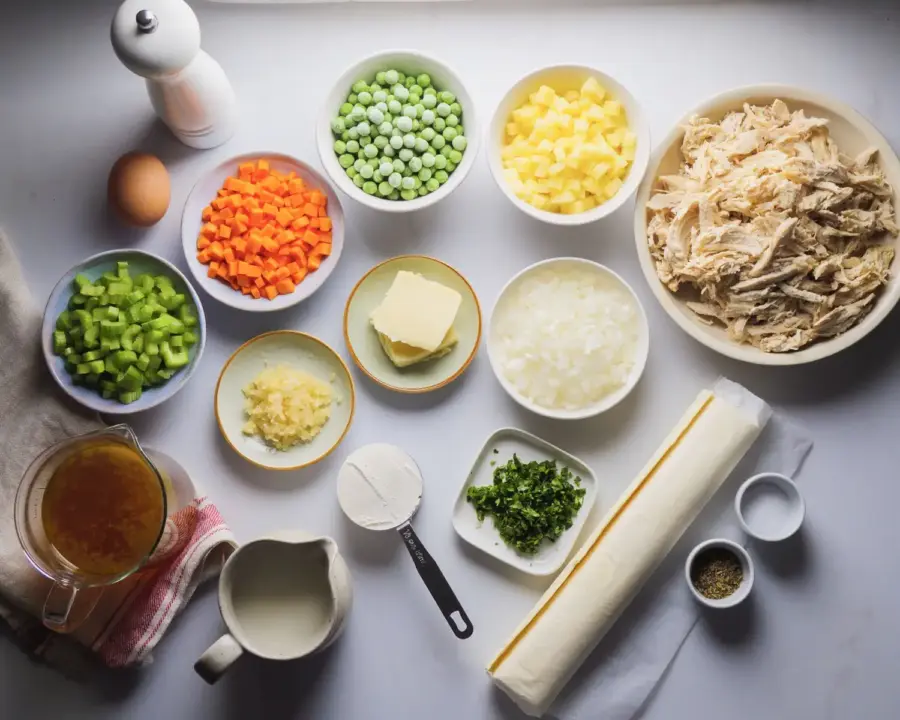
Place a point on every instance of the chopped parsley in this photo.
(529, 502)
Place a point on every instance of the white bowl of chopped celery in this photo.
(123, 331)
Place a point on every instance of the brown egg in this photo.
(138, 189)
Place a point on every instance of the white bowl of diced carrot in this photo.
(262, 231)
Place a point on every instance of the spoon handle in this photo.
(437, 584)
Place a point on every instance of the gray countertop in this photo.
(820, 639)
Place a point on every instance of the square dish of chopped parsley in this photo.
(525, 501)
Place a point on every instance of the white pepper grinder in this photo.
(160, 41)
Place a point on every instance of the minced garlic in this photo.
(286, 406)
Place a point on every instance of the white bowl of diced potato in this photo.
(598, 161)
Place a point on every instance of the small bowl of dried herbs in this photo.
(719, 573)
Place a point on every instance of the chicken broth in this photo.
(103, 509)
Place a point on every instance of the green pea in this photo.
(407, 172)
(428, 102)
(399, 166)
(401, 77)
(416, 89)
(394, 107)
(395, 180)
(408, 194)
(439, 124)
(364, 128)
(451, 166)
(384, 188)
(424, 174)
(351, 172)
(338, 126)
(353, 98)
(423, 191)
(432, 185)
(381, 77)
(371, 151)
(385, 128)
(340, 147)
(446, 150)
(359, 181)
(388, 152)
(354, 133)
(438, 142)
(460, 142)
(409, 140)
(443, 109)
(415, 164)
(440, 162)
(428, 160)
(396, 141)
(395, 195)
(370, 188)
(456, 109)
(414, 99)
(447, 97)
(364, 141)
(449, 133)
(409, 82)
(441, 177)
(431, 91)
(455, 157)
(427, 134)
(346, 108)
(405, 155)
(367, 172)
(375, 87)
(380, 142)
(346, 161)
(345, 136)
(377, 177)
(352, 147)
(391, 77)
(421, 145)
(360, 86)
(423, 80)
(452, 121)
(373, 163)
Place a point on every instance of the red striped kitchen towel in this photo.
(130, 617)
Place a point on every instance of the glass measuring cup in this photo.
(84, 517)
(380, 488)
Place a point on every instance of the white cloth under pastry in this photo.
(596, 586)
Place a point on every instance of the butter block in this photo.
(593, 590)
(416, 311)
(403, 355)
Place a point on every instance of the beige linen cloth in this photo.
(131, 616)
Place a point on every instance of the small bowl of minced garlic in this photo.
(719, 573)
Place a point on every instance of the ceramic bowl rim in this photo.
(605, 404)
(325, 138)
(188, 243)
(395, 388)
(48, 328)
(638, 125)
(798, 505)
(739, 595)
(306, 336)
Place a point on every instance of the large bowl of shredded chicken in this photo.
(767, 228)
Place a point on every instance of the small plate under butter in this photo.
(365, 346)
(498, 449)
(296, 350)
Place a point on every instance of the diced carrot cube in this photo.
(228, 254)
(325, 224)
(268, 230)
(232, 268)
(310, 238)
(311, 209)
(212, 271)
(203, 257)
(226, 213)
(203, 242)
(293, 268)
(270, 209)
(269, 245)
(222, 272)
(284, 217)
(262, 167)
(298, 277)
(270, 292)
(323, 249)
(299, 256)
(313, 262)
(240, 247)
(215, 250)
(260, 282)
(285, 286)
(254, 244)
(269, 277)
(218, 203)
(254, 293)
(270, 264)
(206, 214)
(300, 222)
(243, 281)
(282, 273)
(232, 184)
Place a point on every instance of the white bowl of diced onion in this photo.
(410, 62)
(568, 338)
(562, 79)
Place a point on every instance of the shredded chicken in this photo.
(773, 232)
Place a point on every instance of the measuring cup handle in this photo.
(437, 584)
(58, 606)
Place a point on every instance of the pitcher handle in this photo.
(58, 606)
(220, 656)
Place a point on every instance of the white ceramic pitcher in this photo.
(282, 597)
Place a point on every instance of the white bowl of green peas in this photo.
(398, 131)
(123, 331)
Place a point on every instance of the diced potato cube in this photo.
(544, 96)
(612, 107)
(612, 187)
(572, 96)
(593, 90)
(512, 129)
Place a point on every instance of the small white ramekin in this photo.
(739, 595)
(796, 506)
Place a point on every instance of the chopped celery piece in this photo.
(108, 385)
(68, 352)
(80, 281)
(109, 363)
(83, 318)
(108, 277)
(151, 348)
(92, 337)
(133, 297)
(162, 282)
(154, 336)
(92, 304)
(104, 299)
(126, 398)
(124, 359)
(166, 373)
(92, 355)
(177, 342)
(143, 362)
(75, 359)
(83, 368)
(92, 380)
(131, 380)
(155, 362)
(110, 312)
(127, 339)
(110, 344)
(189, 338)
(122, 269)
(138, 344)
(166, 292)
(64, 321)
(187, 315)
(59, 342)
(118, 290)
(146, 313)
(173, 359)
(112, 328)
(92, 291)
(76, 334)
(97, 366)
(174, 302)
(107, 394)
(144, 282)
(77, 300)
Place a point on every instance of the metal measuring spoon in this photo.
(379, 488)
